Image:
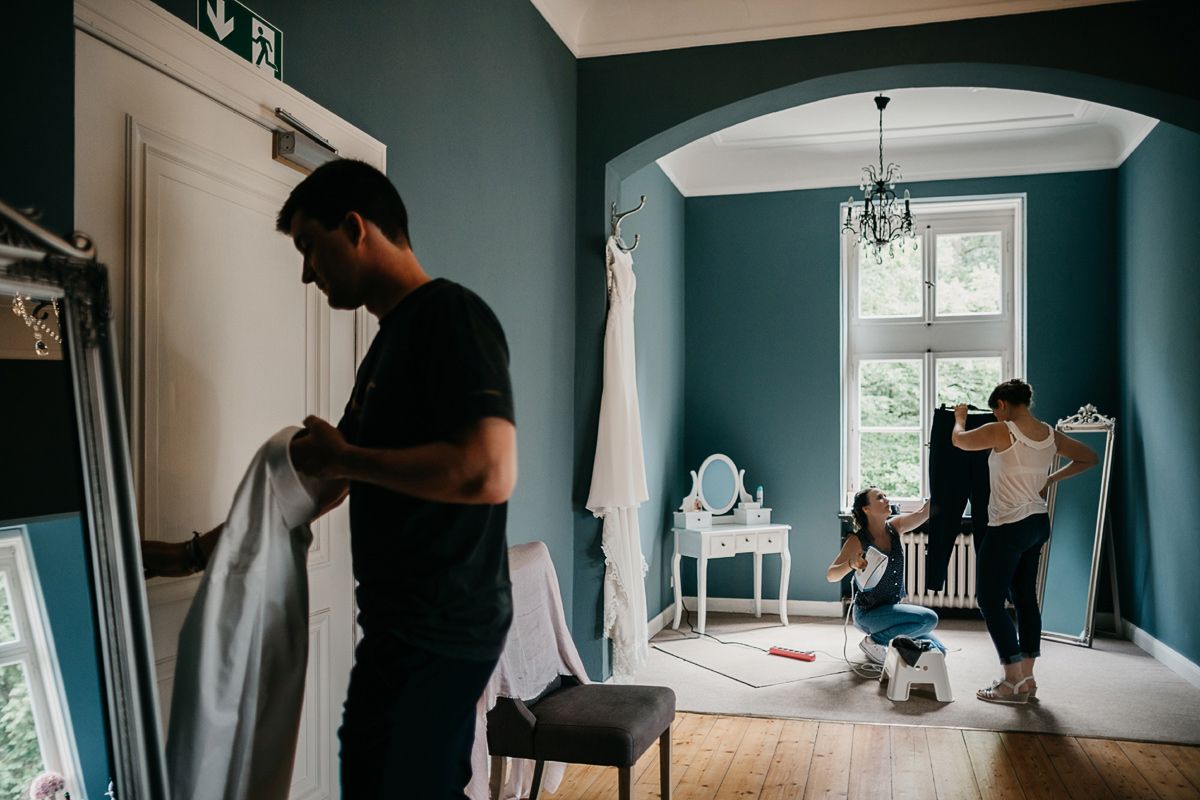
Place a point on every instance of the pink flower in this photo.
(46, 786)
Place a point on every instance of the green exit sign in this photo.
(244, 32)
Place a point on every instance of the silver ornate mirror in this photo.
(1070, 564)
(77, 683)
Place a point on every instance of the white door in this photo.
(221, 343)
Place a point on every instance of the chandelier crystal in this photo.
(880, 223)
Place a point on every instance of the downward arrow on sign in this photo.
(222, 26)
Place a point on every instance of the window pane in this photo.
(966, 380)
(8, 631)
(968, 273)
(890, 289)
(890, 394)
(891, 461)
(20, 755)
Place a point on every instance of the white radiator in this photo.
(960, 576)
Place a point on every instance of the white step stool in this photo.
(930, 668)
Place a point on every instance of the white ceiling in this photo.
(937, 133)
(609, 27)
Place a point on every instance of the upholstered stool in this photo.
(930, 668)
(603, 724)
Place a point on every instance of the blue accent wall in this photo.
(659, 326)
(60, 556)
(1158, 436)
(763, 351)
(636, 108)
(496, 133)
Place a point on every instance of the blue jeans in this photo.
(884, 623)
(1006, 567)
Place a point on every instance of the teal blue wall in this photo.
(1158, 436)
(763, 352)
(636, 108)
(659, 330)
(493, 141)
(60, 556)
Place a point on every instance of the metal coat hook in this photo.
(616, 226)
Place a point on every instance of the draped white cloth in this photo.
(619, 476)
(243, 648)
(538, 649)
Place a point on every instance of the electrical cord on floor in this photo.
(864, 669)
(697, 635)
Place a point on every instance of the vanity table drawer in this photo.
(746, 542)
(770, 542)
(719, 546)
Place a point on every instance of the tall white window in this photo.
(35, 733)
(939, 323)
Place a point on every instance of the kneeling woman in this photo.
(878, 611)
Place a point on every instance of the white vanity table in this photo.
(702, 536)
(725, 539)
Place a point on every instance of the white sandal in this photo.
(1016, 698)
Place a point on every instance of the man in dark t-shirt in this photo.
(426, 449)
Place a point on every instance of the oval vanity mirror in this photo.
(718, 483)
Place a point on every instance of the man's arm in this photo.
(477, 466)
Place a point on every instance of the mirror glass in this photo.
(52, 708)
(1071, 558)
(718, 483)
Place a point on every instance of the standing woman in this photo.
(878, 611)
(1023, 450)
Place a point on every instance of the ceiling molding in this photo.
(592, 28)
(942, 133)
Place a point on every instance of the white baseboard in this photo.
(1164, 654)
(656, 624)
(742, 605)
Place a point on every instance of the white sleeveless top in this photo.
(1017, 475)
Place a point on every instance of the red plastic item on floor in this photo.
(800, 655)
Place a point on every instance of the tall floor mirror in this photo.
(77, 700)
(1070, 566)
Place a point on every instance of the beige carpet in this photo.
(1113, 690)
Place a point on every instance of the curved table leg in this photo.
(784, 572)
(678, 588)
(701, 591)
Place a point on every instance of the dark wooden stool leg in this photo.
(497, 777)
(664, 763)
(537, 780)
(625, 783)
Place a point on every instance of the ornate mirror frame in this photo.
(697, 493)
(1086, 420)
(36, 261)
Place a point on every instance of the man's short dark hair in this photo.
(338, 187)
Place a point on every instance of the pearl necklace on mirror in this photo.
(39, 327)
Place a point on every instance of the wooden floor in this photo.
(777, 759)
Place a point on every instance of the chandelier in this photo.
(880, 223)
(37, 321)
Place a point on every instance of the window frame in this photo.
(930, 337)
(36, 654)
